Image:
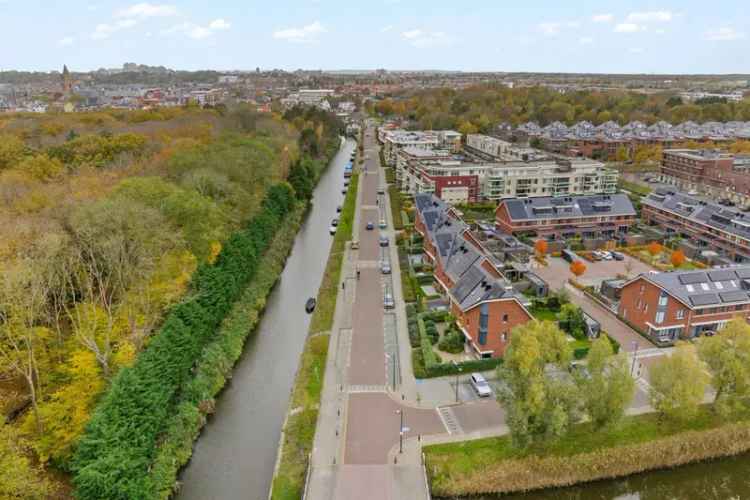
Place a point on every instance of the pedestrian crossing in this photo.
(366, 388)
(449, 419)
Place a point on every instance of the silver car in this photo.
(388, 302)
(480, 385)
(385, 267)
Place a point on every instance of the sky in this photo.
(481, 35)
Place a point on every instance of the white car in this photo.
(607, 256)
(480, 385)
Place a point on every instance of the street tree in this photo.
(541, 401)
(678, 383)
(654, 248)
(677, 258)
(540, 246)
(571, 320)
(608, 388)
(727, 356)
(577, 267)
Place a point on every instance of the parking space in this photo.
(557, 270)
(484, 414)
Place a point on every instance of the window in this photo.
(505, 318)
(690, 288)
(718, 285)
(504, 337)
(645, 308)
(705, 286)
(679, 314)
(659, 317)
(663, 299)
(639, 304)
(643, 287)
(483, 322)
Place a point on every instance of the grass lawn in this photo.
(634, 188)
(543, 314)
(454, 461)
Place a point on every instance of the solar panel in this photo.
(516, 209)
(743, 273)
(736, 296)
(724, 275)
(693, 278)
(704, 299)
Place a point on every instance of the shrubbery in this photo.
(117, 450)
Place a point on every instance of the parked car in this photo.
(383, 240)
(381, 191)
(343, 191)
(382, 224)
(370, 226)
(388, 302)
(332, 230)
(607, 256)
(339, 209)
(354, 245)
(385, 267)
(618, 256)
(335, 222)
(480, 385)
(596, 255)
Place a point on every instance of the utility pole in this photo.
(457, 374)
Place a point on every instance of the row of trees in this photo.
(544, 394)
(481, 108)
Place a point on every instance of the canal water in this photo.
(723, 479)
(235, 455)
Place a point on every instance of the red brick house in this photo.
(484, 304)
(685, 304)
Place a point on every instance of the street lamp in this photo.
(635, 354)
(457, 374)
(400, 431)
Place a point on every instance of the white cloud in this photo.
(305, 34)
(219, 25)
(724, 34)
(148, 10)
(585, 40)
(66, 41)
(105, 30)
(635, 50)
(654, 16)
(628, 28)
(386, 29)
(603, 18)
(426, 39)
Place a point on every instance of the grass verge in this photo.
(299, 430)
(637, 444)
(395, 195)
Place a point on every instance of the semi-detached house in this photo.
(685, 304)
(484, 304)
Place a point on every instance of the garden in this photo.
(662, 258)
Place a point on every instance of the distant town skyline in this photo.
(541, 36)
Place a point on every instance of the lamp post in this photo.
(400, 431)
(457, 374)
(635, 354)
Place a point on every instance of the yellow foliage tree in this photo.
(68, 409)
(11, 150)
(42, 167)
(18, 476)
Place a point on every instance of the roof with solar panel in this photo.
(710, 288)
(546, 207)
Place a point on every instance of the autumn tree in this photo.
(11, 150)
(677, 258)
(42, 167)
(655, 248)
(572, 321)
(678, 384)
(539, 406)
(577, 267)
(541, 246)
(608, 388)
(19, 477)
(726, 355)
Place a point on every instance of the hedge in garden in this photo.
(117, 449)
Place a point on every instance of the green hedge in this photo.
(117, 449)
(395, 195)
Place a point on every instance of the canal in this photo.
(235, 455)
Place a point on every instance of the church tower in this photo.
(67, 81)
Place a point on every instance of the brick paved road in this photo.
(367, 358)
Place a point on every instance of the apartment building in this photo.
(711, 171)
(685, 304)
(484, 304)
(703, 225)
(456, 180)
(590, 217)
(394, 140)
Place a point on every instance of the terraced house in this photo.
(702, 225)
(484, 304)
(685, 304)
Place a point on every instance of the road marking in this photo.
(449, 420)
(356, 389)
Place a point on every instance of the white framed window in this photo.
(679, 314)
(659, 317)
(663, 299)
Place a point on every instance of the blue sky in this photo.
(481, 35)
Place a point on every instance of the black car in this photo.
(338, 209)
(335, 222)
(370, 225)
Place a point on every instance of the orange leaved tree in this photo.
(577, 267)
(678, 258)
(540, 246)
(654, 248)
